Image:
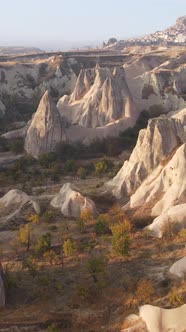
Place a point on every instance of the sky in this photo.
(52, 24)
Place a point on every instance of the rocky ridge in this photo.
(174, 35)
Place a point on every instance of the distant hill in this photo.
(18, 50)
(174, 35)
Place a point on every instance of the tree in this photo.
(96, 266)
(102, 224)
(33, 218)
(121, 238)
(101, 167)
(69, 247)
(69, 166)
(43, 243)
(81, 173)
(24, 235)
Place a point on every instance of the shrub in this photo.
(69, 247)
(30, 265)
(46, 159)
(81, 225)
(144, 291)
(69, 166)
(43, 243)
(52, 328)
(182, 233)
(86, 215)
(24, 235)
(175, 298)
(48, 216)
(121, 238)
(116, 214)
(101, 167)
(33, 218)
(102, 224)
(168, 230)
(96, 266)
(50, 256)
(81, 173)
(17, 146)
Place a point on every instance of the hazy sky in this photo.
(47, 22)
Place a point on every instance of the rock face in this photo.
(175, 215)
(2, 289)
(101, 96)
(154, 145)
(71, 202)
(45, 130)
(165, 187)
(25, 81)
(13, 202)
(163, 320)
(178, 269)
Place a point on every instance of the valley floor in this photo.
(59, 293)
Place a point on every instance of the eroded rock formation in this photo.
(45, 130)
(175, 216)
(100, 97)
(71, 202)
(13, 202)
(178, 269)
(154, 145)
(165, 187)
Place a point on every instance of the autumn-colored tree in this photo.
(69, 247)
(50, 256)
(121, 237)
(24, 235)
(33, 218)
(116, 214)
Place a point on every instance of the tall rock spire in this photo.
(45, 130)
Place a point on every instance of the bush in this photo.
(81, 173)
(17, 146)
(33, 218)
(50, 256)
(69, 247)
(101, 167)
(43, 243)
(168, 230)
(121, 238)
(24, 235)
(69, 166)
(46, 159)
(144, 291)
(182, 233)
(48, 216)
(102, 224)
(86, 215)
(175, 298)
(30, 265)
(96, 266)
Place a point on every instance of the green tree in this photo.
(69, 166)
(43, 243)
(96, 266)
